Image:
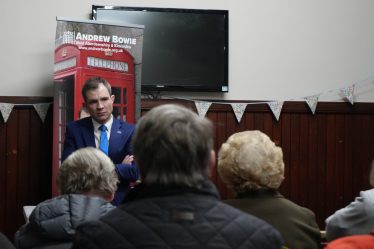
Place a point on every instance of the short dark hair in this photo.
(173, 146)
(83, 109)
(93, 83)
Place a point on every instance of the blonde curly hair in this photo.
(250, 161)
(87, 170)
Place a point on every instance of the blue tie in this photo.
(103, 140)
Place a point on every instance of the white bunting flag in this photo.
(239, 110)
(276, 107)
(202, 107)
(6, 109)
(312, 101)
(348, 92)
(42, 110)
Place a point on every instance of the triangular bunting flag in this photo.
(6, 109)
(239, 110)
(312, 101)
(276, 107)
(202, 107)
(348, 92)
(42, 109)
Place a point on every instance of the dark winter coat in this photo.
(53, 222)
(154, 216)
(297, 225)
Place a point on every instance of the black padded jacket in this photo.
(53, 222)
(154, 216)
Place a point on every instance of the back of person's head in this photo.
(173, 145)
(83, 112)
(87, 171)
(250, 161)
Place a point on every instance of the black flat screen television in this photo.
(184, 50)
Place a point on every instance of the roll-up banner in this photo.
(85, 49)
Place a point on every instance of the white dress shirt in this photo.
(97, 132)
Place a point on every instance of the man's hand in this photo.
(128, 159)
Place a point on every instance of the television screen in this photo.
(183, 49)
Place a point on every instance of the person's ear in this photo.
(212, 163)
(110, 198)
(113, 97)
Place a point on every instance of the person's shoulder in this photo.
(124, 124)
(80, 122)
(240, 216)
(253, 227)
(367, 193)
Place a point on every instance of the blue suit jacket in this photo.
(80, 134)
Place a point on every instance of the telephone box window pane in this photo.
(116, 91)
(117, 112)
(124, 114)
(61, 99)
(60, 134)
(60, 116)
(60, 150)
(124, 96)
(69, 115)
(69, 100)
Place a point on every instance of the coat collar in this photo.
(268, 193)
(144, 190)
(88, 132)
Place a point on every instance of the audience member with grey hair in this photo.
(355, 219)
(252, 165)
(86, 181)
(176, 205)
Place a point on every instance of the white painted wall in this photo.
(279, 49)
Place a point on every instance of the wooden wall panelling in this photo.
(286, 147)
(348, 159)
(321, 168)
(212, 116)
(303, 161)
(23, 163)
(357, 155)
(330, 165)
(268, 124)
(339, 159)
(371, 145)
(35, 158)
(366, 149)
(231, 125)
(312, 163)
(249, 121)
(3, 173)
(46, 155)
(294, 165)
(11, 162)
(26, 161)
(220, 139)
(259, 121)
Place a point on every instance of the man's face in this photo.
(99, 104)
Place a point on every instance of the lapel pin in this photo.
(119, 132)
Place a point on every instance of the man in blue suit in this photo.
(104, 132)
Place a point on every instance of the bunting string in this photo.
(41, 109)
(276, 106)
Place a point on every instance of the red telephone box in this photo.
(73, 66)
